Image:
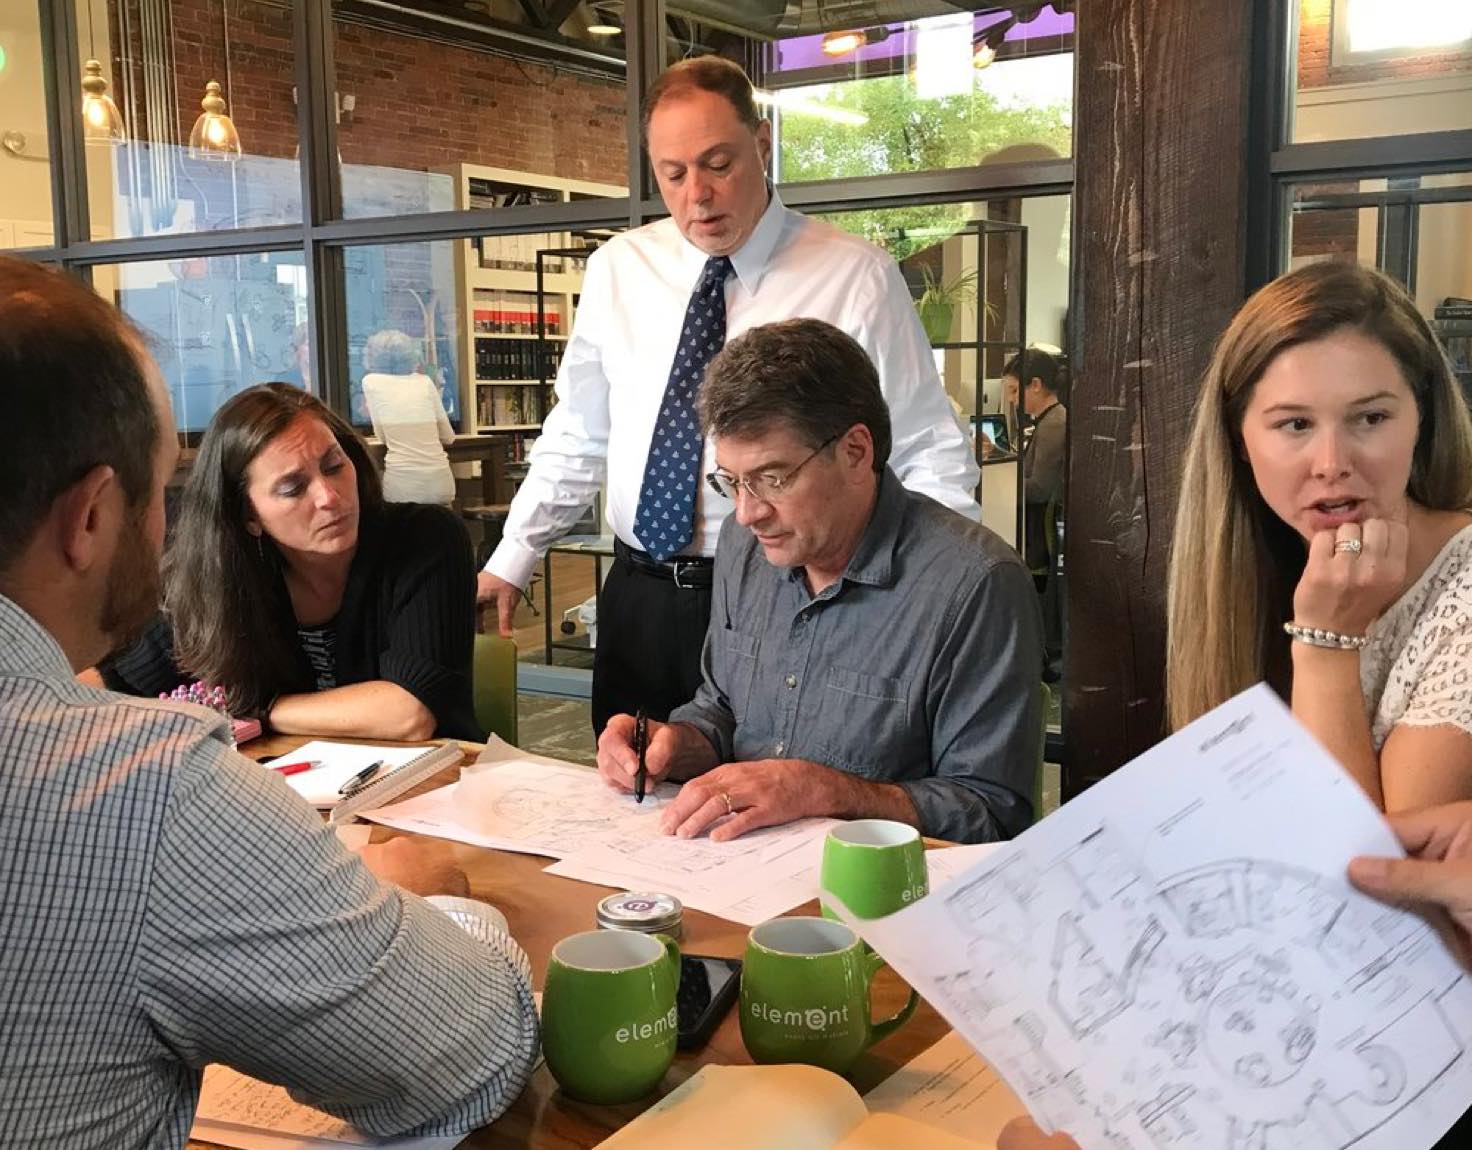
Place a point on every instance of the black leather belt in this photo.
(686, 572)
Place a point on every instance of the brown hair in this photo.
(801, 373)
(1234, 564)
(704, 74)
(223, 587)
(75, 391)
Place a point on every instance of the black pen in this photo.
(641, 743)
(361, 779)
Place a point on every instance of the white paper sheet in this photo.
(950, 1087)
(236, 1110)
(944, 863)
(1175, 958)
(512, 801)
(340, 761)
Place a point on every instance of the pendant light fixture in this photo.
(102, 123)
(213, 136)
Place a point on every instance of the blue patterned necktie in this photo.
(665, 520)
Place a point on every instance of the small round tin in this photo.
(646, 911)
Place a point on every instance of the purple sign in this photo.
(802, 52)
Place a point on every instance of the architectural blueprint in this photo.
(1175, 959)
(517, 802)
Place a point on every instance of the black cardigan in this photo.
(407, 617)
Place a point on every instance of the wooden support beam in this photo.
(1159, 227)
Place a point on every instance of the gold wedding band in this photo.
(726, 798)
(1353, 546)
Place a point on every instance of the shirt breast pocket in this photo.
(739, 654)
(874, 710)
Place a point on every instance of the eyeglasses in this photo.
(763, 486)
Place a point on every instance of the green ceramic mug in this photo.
(875, 866)
(805, 994)
(609, 1021)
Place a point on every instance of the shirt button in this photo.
(791, 681)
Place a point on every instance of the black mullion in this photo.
(899, 189)
(171, 245)
(1268, 117)
(481, 222)
(644, 41)
(62, 77)
(321, 180)
(1418, 154)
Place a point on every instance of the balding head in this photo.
(77, 391)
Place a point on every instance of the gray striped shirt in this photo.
(165, 903)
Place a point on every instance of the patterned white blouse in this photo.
(1418, 666)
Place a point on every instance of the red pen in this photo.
(296, 768)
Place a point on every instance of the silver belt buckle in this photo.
(677, 567)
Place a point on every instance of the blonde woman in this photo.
(1323, 540)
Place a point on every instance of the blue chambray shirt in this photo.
(920, 666)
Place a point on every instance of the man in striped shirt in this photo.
(165, 903)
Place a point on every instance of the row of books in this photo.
(514, 313)
(519, 253)
(516, 359)
(508, 406)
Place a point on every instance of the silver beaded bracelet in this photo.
(1318, 637)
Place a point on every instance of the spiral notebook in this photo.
(402, 768)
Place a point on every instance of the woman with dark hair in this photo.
(1323, 540)
(292, 584)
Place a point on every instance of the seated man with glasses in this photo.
(870, 652)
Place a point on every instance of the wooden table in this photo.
(541, 910)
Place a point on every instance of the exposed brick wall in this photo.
(1327, 234)
(1315, 70)
(420, 104)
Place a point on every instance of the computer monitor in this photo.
(994, 427)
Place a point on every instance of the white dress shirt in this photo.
(617, 362)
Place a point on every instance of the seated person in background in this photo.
(290, 583)
(409, 420)
(169, 903)
(1030, 380)
(870, 652)
(1326, 486)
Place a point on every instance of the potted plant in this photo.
(937, 303)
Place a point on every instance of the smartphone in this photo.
(708, 986)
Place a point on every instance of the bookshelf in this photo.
(507, 324)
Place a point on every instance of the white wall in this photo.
(25, 190)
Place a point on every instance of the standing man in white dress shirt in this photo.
(657, 303)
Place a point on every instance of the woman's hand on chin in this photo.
(1352, 575)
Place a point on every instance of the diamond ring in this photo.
(1353, 546)
(726, 798)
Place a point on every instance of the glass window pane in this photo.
(25, 174)
(427, 100)
(1369, 68)
(216, 325)
(157, 160)
(1417, 229)
(949, 86)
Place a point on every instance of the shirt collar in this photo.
(750, 260)
(873, 559)
(27, 647)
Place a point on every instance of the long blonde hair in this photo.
(1234, 564)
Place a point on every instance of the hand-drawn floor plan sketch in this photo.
(1216, 995)
(1181, 963)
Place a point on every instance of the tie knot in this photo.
(717, 268)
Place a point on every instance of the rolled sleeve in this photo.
(985, 710)
(271, 948)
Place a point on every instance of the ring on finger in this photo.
(1349, 546)
(726, 798)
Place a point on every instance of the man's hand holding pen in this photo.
(671, 750)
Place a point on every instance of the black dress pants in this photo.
(650, 634)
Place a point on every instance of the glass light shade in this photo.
(102, 123)
(842, 43)
(213, 136)
(983, 55)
